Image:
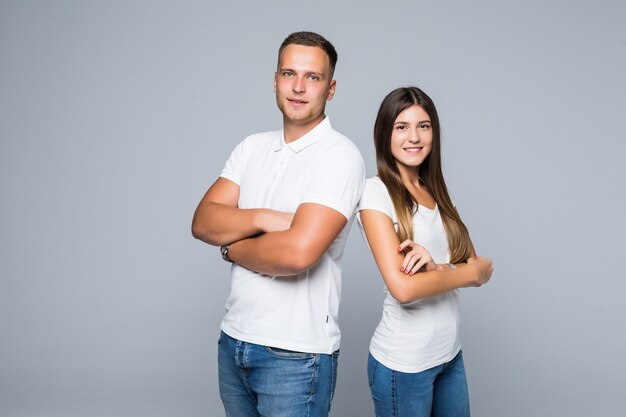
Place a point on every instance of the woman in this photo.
(424, 253)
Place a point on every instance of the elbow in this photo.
(297, 265)
(400, 297)
(401, 293)
(197, 231)
(200, 232)
(301, 259)
(201, 226)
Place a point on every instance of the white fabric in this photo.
(415, 336)
(298, 312)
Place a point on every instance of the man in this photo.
(281, 212)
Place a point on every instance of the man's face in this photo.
(303, 84)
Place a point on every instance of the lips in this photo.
(413, 150)
(296, 101)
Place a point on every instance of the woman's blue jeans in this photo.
(264, 381)
(436, 392)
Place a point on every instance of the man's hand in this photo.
(219, 221)
(274, 221)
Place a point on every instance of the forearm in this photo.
(218, 224)
(292, 250)
(406, 288)
(277, 253)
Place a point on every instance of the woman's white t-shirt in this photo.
(423, 333)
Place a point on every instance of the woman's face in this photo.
(411, 137)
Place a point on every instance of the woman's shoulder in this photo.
(375, 196)
(375, 184)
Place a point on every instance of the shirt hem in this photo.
(229, 177)
(379, 356)
(281, 344)
(330, 204)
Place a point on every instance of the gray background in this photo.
(116, 116)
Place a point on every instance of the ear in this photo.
(331, 90)
(275, 77)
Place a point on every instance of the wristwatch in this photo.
(224, 251)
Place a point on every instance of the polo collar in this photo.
(317, 133)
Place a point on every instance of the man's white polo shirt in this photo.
(298, 312)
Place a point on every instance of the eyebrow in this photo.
(319, 74)
(406, 123)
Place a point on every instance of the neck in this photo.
(293, 131)
(409, 175)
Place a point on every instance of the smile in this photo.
(413, 150)
(296, 102)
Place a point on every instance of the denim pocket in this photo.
(290, 354)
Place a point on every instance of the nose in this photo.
(298, 85)
(414, 137)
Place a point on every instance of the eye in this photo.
(401, 127)
(424, 126)
(287, 74)
(314, 77)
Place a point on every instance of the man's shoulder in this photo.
(336, 140)
(260, 140)
(264, 136)
(339, 155)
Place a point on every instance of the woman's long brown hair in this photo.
(431, 176)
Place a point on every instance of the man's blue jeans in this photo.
(436, 392)
(264, 381)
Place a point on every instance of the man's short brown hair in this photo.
(311, 39)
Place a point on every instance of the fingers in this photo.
(415, 260)
(410, 259)
(417, 266)
(408, 262)
(483, 267)
(487, 268)
(406, 244)
(416, 257)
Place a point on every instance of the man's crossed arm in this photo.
(264, 240)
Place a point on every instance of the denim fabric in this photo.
(264, 381)
(440, 391)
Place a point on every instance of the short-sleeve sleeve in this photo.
(376, 197)
(234, 165)
(338, 181)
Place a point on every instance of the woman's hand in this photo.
(416, 257)
(484, 269)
